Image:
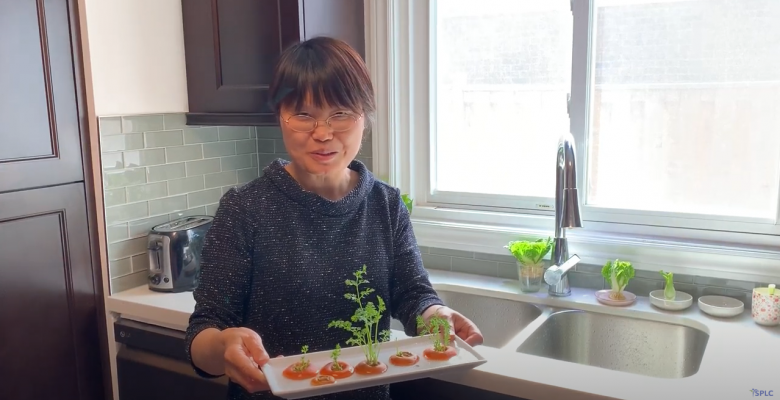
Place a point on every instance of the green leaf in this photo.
(366, 317)
(669, 292)
(618, 273)
(439, 330)
(530, 252)
(408, 202)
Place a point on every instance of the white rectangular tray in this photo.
(467, 358)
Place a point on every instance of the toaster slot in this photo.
(158, 251)
(155, 254)
(183, 224)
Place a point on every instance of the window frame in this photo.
(398, 47)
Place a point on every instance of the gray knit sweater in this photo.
(277, 256)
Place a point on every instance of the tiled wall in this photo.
(586, 275)
(155, 169)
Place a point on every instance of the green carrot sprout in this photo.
(303, 363)
(439, 328)
(335, 356)
(366, 336)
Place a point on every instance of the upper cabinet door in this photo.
(230, 47)
(341, 19)
(39, 136)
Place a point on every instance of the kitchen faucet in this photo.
(567, 215)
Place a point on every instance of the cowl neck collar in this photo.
(277, 173)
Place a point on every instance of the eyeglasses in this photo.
(338, 122)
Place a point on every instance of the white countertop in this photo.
(740, 355)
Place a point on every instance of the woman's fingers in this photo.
(254, 346)
(472, 334)
(251, 385)
(244, 370)
(474, 338)
(467, 330)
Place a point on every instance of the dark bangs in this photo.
(327, 71)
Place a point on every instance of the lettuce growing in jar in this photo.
(530, 261)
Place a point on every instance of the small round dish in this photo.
(721, 306)
(603, 297)
(681, 300)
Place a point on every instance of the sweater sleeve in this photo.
(412, 292)
(225, 272)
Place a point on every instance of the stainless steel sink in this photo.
(499, 320)
(619, 343)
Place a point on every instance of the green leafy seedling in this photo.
(528, 252)
(334, 355)
(364, 323)
(439, 329)
(304, 362)
(408, 202)
(617, 273)
(669, 292)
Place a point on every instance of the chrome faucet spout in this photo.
(567, 210)
(555, 273)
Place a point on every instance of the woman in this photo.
(275, 261)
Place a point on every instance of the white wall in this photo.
(137, 56)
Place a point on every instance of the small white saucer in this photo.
(603, 297)
(681, 300)
(721, 306)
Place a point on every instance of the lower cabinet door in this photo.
(49, 338)
(429, 389)
(142, 375)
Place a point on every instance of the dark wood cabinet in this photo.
(39, 138)
(231, 47)
(430, 388)
(52, 323)
(49, 343)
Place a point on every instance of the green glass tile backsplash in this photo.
(156, 168)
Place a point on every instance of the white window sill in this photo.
(759, 262)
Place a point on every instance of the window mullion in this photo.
(422, 16)
(579, 110)
(777, 214)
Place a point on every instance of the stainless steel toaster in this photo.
(174, 253)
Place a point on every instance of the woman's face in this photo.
(317, 147)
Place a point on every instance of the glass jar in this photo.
(530, 276)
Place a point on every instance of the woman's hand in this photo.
(459, 325)
(244, 355)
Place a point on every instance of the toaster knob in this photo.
(155, 279)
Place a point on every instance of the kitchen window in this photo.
(674, 106)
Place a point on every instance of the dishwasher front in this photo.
(152, 365)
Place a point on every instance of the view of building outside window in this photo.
(685, 107)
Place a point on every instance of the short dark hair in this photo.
(327, 69)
